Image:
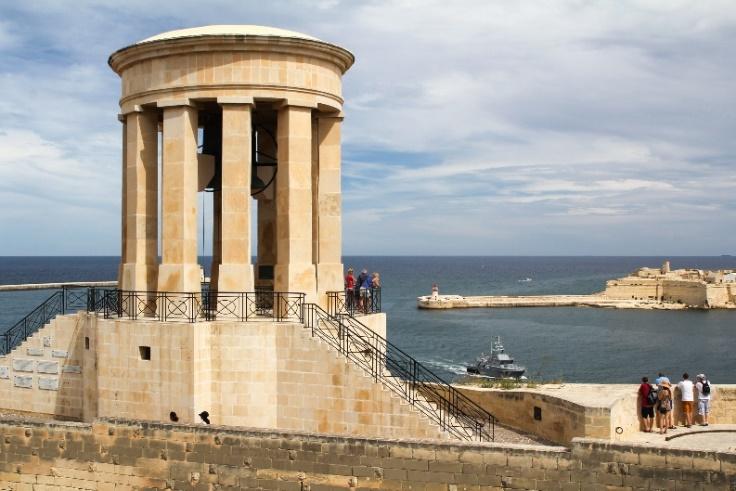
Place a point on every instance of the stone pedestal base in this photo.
(329, 279)
(180, 278)
(138, 277)
(234, 278)
(296, 278)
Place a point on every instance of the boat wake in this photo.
(446, 365)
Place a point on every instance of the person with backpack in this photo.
(648, 399)
(704, 394)
(664, 407)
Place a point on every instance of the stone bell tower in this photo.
(244, 112)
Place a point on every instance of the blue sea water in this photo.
(570, 344)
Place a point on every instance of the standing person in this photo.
(350, 290)
(686, 395)
(704, 392)
(359, 287)
(647, 398)
(664, 407)
(661, 378)
(375, 287)
(365, 292)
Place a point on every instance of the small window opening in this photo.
(537, 413)
(145, 352)
(86, 342)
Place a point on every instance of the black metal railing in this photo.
(402, 374)
(208, 306)
(354, 302)
(68, 299)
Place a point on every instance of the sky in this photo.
(471, 127)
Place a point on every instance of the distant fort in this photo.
(646, 288)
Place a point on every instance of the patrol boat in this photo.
(498, 364)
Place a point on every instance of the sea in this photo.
(560, 344)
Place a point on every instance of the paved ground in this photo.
(507, 435)
(720, 438)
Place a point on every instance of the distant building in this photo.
(692, 287)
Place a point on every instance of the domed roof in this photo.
(227, 30)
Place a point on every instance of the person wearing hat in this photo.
(664, 407)
(704, 392)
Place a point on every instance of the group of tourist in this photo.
(360, 292)
(660, 398)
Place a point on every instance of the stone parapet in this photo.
(151, 455)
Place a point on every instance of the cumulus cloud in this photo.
(473, 127)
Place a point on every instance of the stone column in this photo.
(328, 208)
(141, 202)
(179, 271)
(123, 201)
(294, 270)
(235, 272)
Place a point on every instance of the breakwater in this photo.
(506, 301)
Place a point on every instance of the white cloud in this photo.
(471, 127)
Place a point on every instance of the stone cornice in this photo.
(123, 58)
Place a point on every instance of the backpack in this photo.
(706, 388)
(652, 396)
(665, 403)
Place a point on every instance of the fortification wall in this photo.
(634, 288)
(259, 374)
(688, 292)
(71, 456)
(721, 294)
(615, 417)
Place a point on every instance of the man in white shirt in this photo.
(687, 395)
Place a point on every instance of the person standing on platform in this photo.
(350, 290)
(704, 393)
(359, 287)
(647, 398)
(664, 407)
(686, 395)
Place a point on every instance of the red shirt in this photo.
(350, 282)
(644, 393)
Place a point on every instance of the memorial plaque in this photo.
(48, 383)
(59, 353)
(34, 351)
(4, 372)
(47, 341)
(71, 369)
(21, 365)
(48, 367)
(23, 381)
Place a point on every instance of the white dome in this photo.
(228, 30)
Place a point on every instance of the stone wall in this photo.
(687, 292)
(633, 288)
(128, 455)
(257, 374)
(561, 420)
(44, 375)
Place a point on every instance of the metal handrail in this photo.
(68, 299)
(352, 302)
(207, 305)
(402, 374)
